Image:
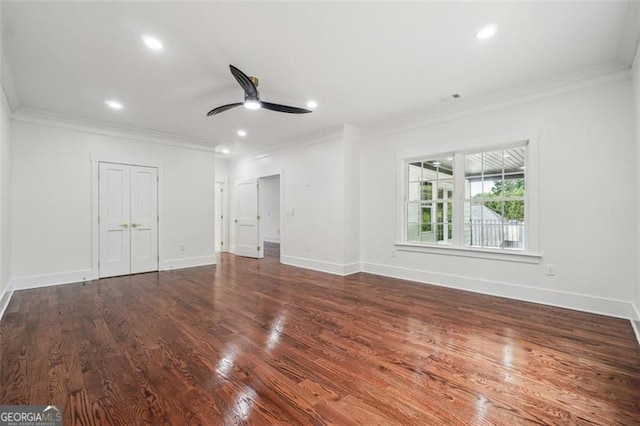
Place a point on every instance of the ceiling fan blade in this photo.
(283, 108)
(223, 108)
(245, 82)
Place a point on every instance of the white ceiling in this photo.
(362, 62)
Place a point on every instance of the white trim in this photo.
(271, 239)
(576, 301)
(5, 298)
(61, 121)
(591, 77)
(188, 262)
(635, 324)
(479, 253)
(46, 280)
(96, 159)
(321, 266)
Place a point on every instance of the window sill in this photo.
(503, 255)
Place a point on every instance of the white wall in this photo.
(270, 209)
(587, 215)
(52, 200)
(5, 194)
(636, 119)
(313, 196)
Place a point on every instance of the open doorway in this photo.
(269, 211)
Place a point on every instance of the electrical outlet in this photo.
(308, 247)
(182, 247)
(550, 269)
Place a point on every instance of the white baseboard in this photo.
(189, 262)
(635, 322)
(5, 298)
(579, 302)
(45, 280)
(321, 266)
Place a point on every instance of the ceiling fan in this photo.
(252, 97)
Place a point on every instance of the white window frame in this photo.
(531, 252)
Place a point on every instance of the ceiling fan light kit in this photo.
(252, 97)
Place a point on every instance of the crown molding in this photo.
(61, 121)
(607, 73)
(331, 134)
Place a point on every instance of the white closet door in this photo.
(114, 228)
(246, 222)
(144, 219)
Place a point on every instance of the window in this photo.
(495, 198)
(475, 199)
(429, 206)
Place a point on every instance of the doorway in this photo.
(257, 223)
(269, 211)
(127, 219)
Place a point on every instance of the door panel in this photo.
(144, 219)
(246, 222)
(114, 231)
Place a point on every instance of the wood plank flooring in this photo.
(256, 342)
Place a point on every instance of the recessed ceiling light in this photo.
(242, 133)
(222, 149)
(152, 42)
(449, 158)
(312, 104)
(436, 163)
(252, 104)
(113, 104)
(486, 32)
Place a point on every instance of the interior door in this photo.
(246, 222)
(144, 219)
(128, 219)
(114, 210)
(219, 239)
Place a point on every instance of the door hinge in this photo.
(258, 217)
(221, 189)
(258, 248)
(221, 243)
(221, 216)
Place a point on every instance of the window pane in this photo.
(445, 187)
(413, 212)
(414, 191)
(514, 210)
(426, 218)
(427, 190)
(413, 233)
(492, 163)
(415, 172)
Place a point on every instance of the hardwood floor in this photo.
(255, 342)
